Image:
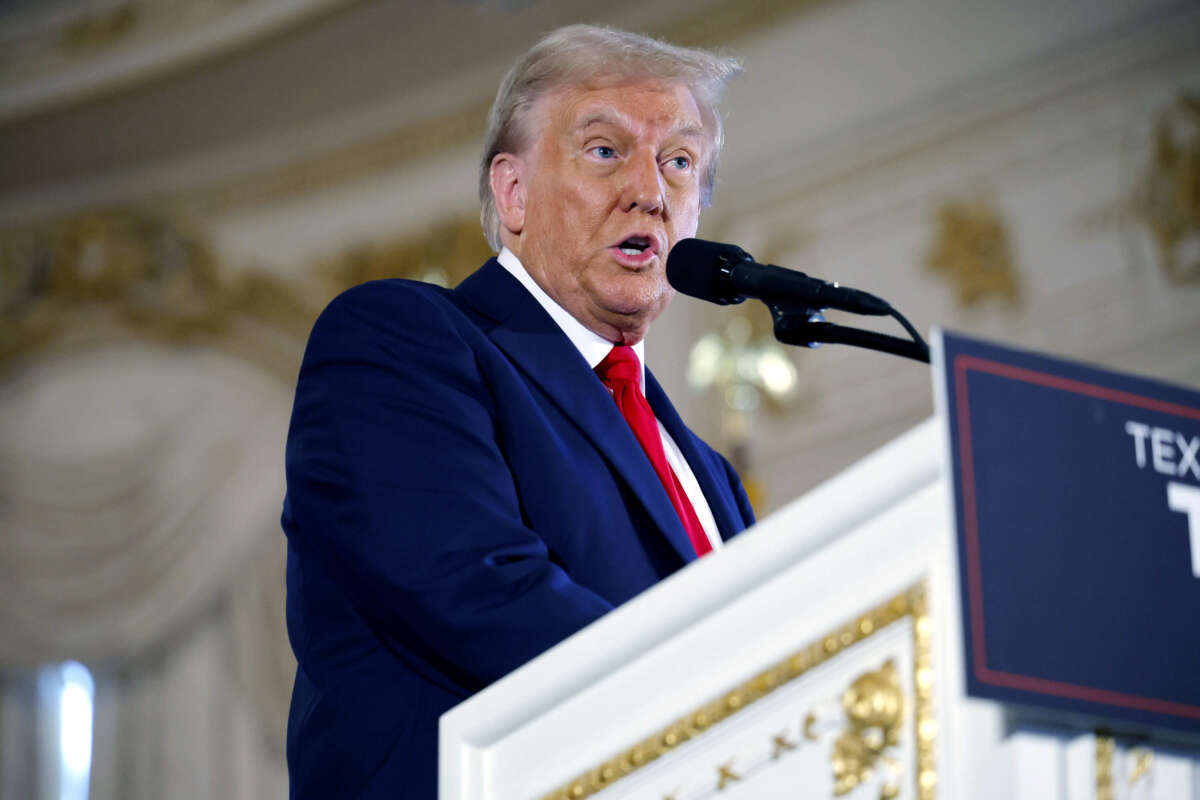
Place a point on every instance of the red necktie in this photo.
(621, 371)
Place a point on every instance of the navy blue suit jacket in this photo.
(462, 494)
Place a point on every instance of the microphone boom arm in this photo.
(805, 327)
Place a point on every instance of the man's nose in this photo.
(643, 185)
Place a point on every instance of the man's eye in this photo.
(604, 151)
(681, 162)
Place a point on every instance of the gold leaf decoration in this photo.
(162, 279)
(1105, 749)
(1169, 198)
(911, 603)
(874, 708)
(158, 277)
(444, 254)
(100, 30)
(1143, 763)
(971, 249)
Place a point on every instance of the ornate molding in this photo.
(1116, 763)
(161, 278)
(971, 250)
(90, 32)
(74, 48)
(1050, 113)
(874, 707)
(711, 25)
(354, 160)
(911, 603)
(444, 254)
(1143, 763)
(1168, 200)
(1105, 747)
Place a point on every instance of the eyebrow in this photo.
(690, 131)
(601, 118)
(604, 118)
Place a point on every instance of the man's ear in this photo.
(508, 179)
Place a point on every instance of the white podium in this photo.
(818, 655)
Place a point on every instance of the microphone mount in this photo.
(726, 274)
(806, 327)
(803, 326)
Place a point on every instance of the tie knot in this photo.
(621, 365)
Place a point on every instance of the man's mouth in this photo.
(635, 245)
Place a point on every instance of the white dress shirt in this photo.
(594, 348)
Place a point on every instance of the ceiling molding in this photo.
(842, 159)
(64, 52)
(712, 26)
(270, 173)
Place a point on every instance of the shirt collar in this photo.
(591, 345)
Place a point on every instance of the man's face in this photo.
(609, 184)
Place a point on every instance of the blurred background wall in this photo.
(184, 183)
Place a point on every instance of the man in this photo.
(463, 491)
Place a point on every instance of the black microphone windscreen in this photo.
(694, 267)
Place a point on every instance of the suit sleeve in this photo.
(396, 482)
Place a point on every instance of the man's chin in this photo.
(637, 304)
(632, 319)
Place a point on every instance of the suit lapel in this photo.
(715, 492)
(536, 345)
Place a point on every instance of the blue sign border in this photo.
(963, 357)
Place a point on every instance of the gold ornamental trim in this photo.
(1105, 748)
(158, 277)
(161, 278)
(972, 249)
(1139, 762)
(912, 602)
(1168, 200)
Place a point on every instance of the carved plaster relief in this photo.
(1168, 199)
(972, 250)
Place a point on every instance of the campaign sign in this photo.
(1077, 503)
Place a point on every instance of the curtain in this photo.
(140, 491)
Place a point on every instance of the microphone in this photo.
(725, 273)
